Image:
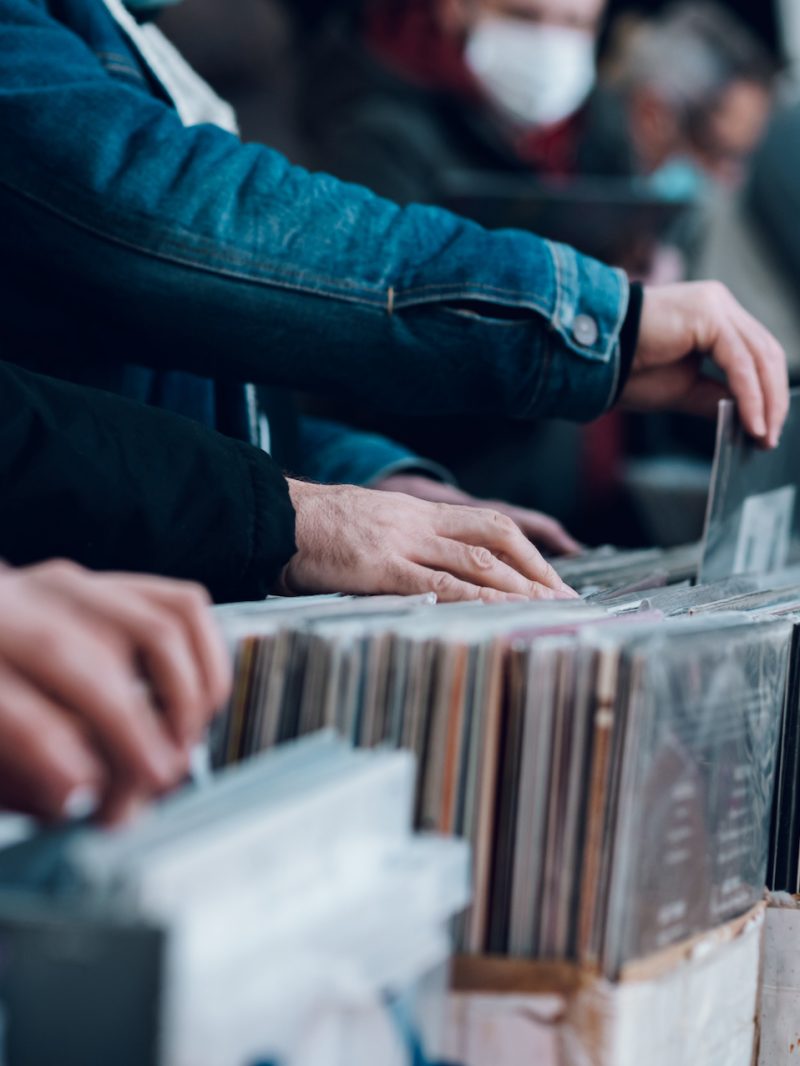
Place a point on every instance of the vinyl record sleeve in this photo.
(484, 803)
(753, 519)
(535, 791)
(785, 831)
(564, 740)
(703, 718)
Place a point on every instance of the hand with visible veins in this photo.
(106, 683)
(365, 542)
(682, 324)
(545, 532)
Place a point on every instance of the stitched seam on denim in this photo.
(375, 300)
(222, 254)
(118, 61)
(115, 57)
(554, 254)
(129, 72)
(356, 294)
(459, 287)
(476, 319)
(607, 350)
(622, 310)
(614, 348)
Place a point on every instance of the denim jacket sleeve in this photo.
(337, 454)
(209, 255)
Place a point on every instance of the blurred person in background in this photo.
(399, 95)
(684, 103)
(685, 100)
(761, 17)
(403, 92)
(754, 242)
(773, 196)
(407, 93)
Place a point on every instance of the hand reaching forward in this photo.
(682, 323)
(545, 532)
(106, 682)
(363, 541)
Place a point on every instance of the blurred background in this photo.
(661, 137)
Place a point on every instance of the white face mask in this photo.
(536, 75)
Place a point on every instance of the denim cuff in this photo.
(413, 465)
(629, 337)
(591, 303)
(335, 454)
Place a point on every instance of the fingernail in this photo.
(81, 803)
(568, 593)
(169, 764)
(760, 427)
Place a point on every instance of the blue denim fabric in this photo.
(336, 454)
(197, 253)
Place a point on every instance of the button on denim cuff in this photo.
(591, 305)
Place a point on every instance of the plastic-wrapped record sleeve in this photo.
(752, 521)
(254, 984)
(704, 708)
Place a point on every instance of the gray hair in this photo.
(690, 55)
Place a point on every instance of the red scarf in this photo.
(407, 37)
(552, 150)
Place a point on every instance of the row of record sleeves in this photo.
(614, 769)
(625, 767)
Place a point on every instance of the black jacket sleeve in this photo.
(116, 485)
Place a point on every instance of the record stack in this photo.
(611, 760)
(613, 773)
(295, 916)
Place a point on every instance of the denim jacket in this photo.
(172, 249)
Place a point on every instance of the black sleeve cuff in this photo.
(629, 337)
(272, 531)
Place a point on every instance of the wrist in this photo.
(298, 490)
(629, 337)
(299, 494)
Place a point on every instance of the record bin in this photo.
(779, 1019)
(696, 1002)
